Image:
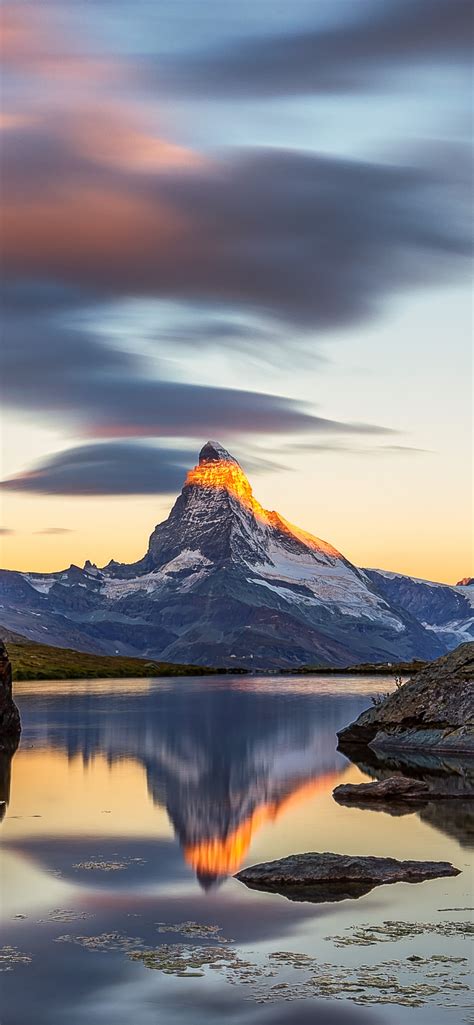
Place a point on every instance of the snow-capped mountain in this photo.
(225, 582)
(447, 611)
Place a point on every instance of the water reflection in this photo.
(151, 773)
(223, 760)
(450, 777)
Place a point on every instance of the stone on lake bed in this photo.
(332, 877)
(398, 788)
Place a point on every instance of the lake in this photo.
(131, 805)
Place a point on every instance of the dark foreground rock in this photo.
(433, 712)
(395, 788)
(332, 877)
(10, 726)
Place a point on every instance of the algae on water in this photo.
(369, 935)
(11, 956)
(101, 864)
(412, 981)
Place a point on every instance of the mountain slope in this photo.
(223, 582)
(33, 661)
(446, 611)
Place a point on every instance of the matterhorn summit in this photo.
(221, 520)
(225, 582)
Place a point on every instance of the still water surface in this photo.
(132, 803)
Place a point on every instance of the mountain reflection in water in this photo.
(223, 758)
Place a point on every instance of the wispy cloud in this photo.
(312, 239)
(54, 530)
(335, 447)
(361, 50)
(75, 378)
(316, 240)
(139, 468)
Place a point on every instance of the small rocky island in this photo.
(332, 877)
(392, 789)
(10, 726)
(433, 712)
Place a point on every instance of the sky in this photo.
(245, 222)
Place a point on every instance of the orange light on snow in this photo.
(227, 475)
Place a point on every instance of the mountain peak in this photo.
(213, 452)
(218, 470)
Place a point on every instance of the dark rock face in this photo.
(395, 788)
(432, 712)
(10, 726)
(333, 877)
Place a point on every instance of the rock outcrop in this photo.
(433, 712)
(333, 877)
(395, 788)
(10, 726)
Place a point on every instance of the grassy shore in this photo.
(367, 669)
(32, 661)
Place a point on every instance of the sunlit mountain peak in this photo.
(213, 452)
(219, 470)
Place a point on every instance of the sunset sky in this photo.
(246, 222)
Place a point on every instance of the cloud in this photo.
(138, 468)
(396, 449)
(357, 51)
(34, 44)
(99, 206)
(114, 468)
(70, 375)
(6, 531)
(130, 468)
(54, 530)
(336, 447)
(315, 240)
(98, 198)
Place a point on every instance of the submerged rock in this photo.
(10, 726)
(395, 788)
(333, 877)
(432, 712)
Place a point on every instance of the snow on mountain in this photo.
(226, 582)
(445, 610)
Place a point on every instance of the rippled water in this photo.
(132, 803)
